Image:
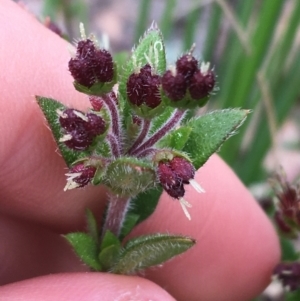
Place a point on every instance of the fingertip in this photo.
(84, 287)
(237, 247)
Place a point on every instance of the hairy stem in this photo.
(116, 212)
(114, 145)
(114, 114)
(172, 122)
(143, 133)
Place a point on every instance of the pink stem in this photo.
(141, 136)
(172, 122)
(114, 145)
(117, 209)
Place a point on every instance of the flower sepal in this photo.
(128, 176)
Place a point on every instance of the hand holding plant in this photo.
(212, 224)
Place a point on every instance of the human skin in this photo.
(236, 248)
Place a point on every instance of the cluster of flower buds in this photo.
(287, 215)
(79, 176)
(187, 80)
(289, 274)
(185, 86)
(143, 88)
(173, 174)
(80, 129)
(148, 90)
(91, 64)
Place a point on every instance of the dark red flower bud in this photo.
(78, 139)
(85, 174)
(174, 86)
(187, 65)
(201, 84)
(96, 102)
(91, 64)
(282, 226)
(169, 180)
(143, 88)
(183, 169)
(70, 119)
(80, 129)
(289, 274)
(95, 124)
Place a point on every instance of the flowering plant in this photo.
(139, 138)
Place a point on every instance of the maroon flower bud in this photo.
(91, 64)
(80, 175)
(143, 88)
(78, 139)
(70, 119)
(95, 124)
(283, 227)
(187, 65)
(80, 130)
(289, 274)
(96, 102)
(289, 201)
(201, 84)
(183, 169)
(174, 86)
(169, 180)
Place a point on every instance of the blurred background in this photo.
(254, 48)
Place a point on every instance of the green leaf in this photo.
(86, 248)
(130, 221)
(145, 203)
(150, 250)
(109, 250)
(210, 131)
(109, 256)
(92, 225)
(108, 240)
(150, 49)
(49, 107)
(288, 252)
(293, 296)
(176, 139)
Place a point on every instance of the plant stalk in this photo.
(116, 212)
(141, 136)
(172, 122)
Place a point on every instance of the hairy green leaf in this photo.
(109, 256)
(92, 225)
(150, 50)
(108, 240)
(145, 203)
(49, 107)
(86, 248)
(176, 139)
(150, 250)
(130, 221)
(210, 131)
